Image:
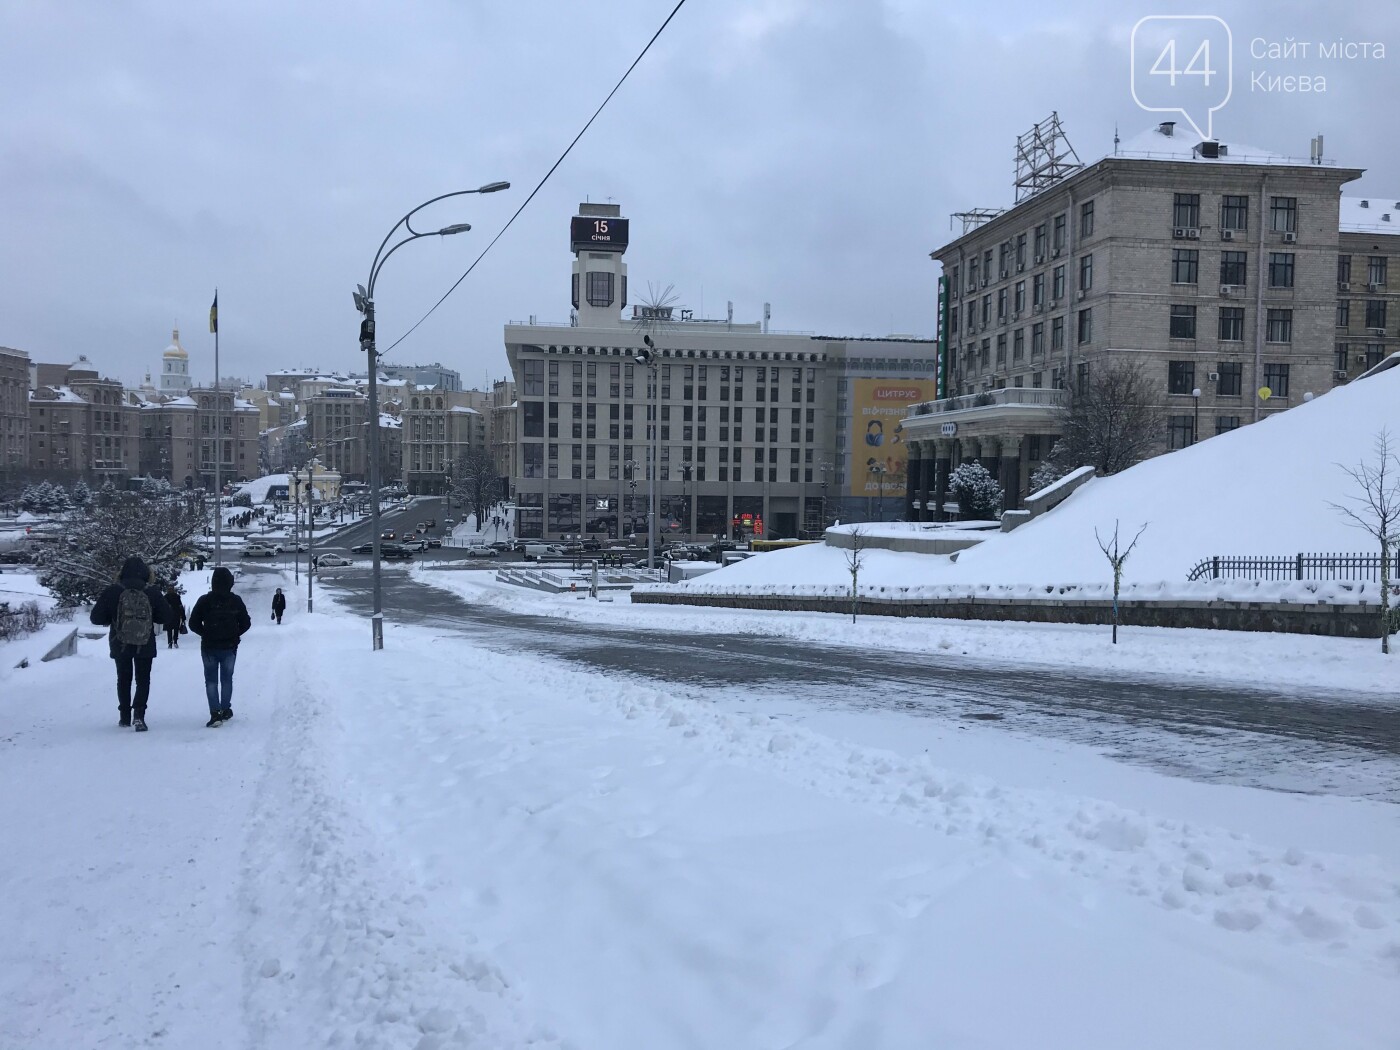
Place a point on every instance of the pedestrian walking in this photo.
(220, 619)
(131, 608)
(176, 626)
(279, 605)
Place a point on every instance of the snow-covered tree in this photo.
(93, 546)
(978, 494)
(475, 482)
(1050, 470)
(82, 495)
(1377, 510)
(29, 498)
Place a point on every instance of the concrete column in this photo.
(926, 475)
(943, 464)
(991, 456)
(1010, 474)
(913, 481)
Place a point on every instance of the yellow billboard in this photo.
(879, 458)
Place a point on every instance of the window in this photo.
(1233, 267)
(1186, 210)
(954, 274)
(1020, 251)
(533, 375)
(1001, 349)
(1086, 272)
(1341, 356)
(1184, 264)
(1001, 304)
(1234, 212)
(1057, 283)
(1225, 424)
(1343, 270)
(1279, 326)
(1232, 324)
(1040, 243)
(1086, 325)
(1374, 353)
(972, 275)
(531, 419)
(1018, 345)
(986, 310)
(1343, 313)
(1375, 313)
(1038, 340)
(1283, 214)
(1181, 377)
(1058, 240)
(1276, 379)
(1037, 378)
(600, 288)
(1082, 378)
(1057, 334)
(1183, 322)
(1231, 379)
(1375, 270)
(1038, 290)
(1019, 302)
(1280, 269)
(1179, 431)
(1086, 219)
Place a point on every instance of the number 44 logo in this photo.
(1199, 66)
(1182, 64)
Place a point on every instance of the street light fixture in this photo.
(1196, 415)
(364, 303)
(648, 357)
(878, 470)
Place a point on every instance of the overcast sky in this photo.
(806, 153)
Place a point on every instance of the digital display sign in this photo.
(598, 233)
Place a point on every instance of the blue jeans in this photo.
(218, 676)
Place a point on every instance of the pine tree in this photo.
(82, 495)
(978, 494)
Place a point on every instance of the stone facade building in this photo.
(14, 410)
(1368, 285)
(80, 424)
(1210, 267)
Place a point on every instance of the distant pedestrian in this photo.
(199, 562)
(220, 619)
(279, 605)
(132, 607)
(176, 623)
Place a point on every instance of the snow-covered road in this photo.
(441, 845)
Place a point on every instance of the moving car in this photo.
(432, 523)
(395, 552)
(259, 550)
(362, 548)
(433, 543)
(388, 534)
(447, 523)
(480, 550)
(324, 561)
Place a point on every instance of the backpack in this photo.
(134, 623)
(221, 621)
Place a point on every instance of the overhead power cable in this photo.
(525, 203)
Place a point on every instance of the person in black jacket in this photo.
(120, 607)
(279, 605)
(177, 618)
(220, 619)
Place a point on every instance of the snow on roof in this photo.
(464, 409)
(1369, 215)
(1181, 145)
(60, 393)
(181, 402)
(386, 420)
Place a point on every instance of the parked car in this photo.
(326, 561)
(259, 550)
(481, 550)
(500, 545)
(415, 544)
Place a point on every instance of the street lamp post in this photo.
(1196, 415)
(296, 526)
(364, 302)
(879, 471)
(686, 471)
(648, 357)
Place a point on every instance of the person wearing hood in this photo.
(131, 608)
(220, 619)
(279, 605)
(177, 621)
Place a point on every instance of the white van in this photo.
(533, 551)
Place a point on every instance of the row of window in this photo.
(1181, 430)
(1234, 212)
(1369, 355)
(1012, 301)
(1278, 324)
(1229, 378)
(1375, 313)
(1234, 267)
(1047, 240)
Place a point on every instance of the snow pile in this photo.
(258, 488)
(1265, 489)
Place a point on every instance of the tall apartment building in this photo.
(14, 410)
(80, 423)
(504, 425)
(1210, 267)
(438, 427)
(1368, 285)
(744, 418)
(180, 438)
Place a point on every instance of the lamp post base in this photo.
(377, 626)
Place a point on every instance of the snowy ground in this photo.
(440, 846)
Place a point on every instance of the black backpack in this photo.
(135, 620)
(221, 620)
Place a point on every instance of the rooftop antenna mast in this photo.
(1044, 156)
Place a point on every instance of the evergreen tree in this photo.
(82, 495)
(978, 494)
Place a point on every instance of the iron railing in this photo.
(1294, 567)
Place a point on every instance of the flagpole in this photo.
(218, 441)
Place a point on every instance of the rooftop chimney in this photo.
(1167, 128)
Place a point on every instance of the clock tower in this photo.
(598, 237)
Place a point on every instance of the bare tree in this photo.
(1117, 559)
(1113, 423)
(1377, 511)
(94, 543)
(475, 483)
(855, 555)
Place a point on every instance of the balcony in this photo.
(1016, 408)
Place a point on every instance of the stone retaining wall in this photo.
(1342, 621)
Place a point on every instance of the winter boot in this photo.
(226, 714)
(139, 724)
(124, 718)
(215, 720)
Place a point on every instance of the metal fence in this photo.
(1294, 567)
